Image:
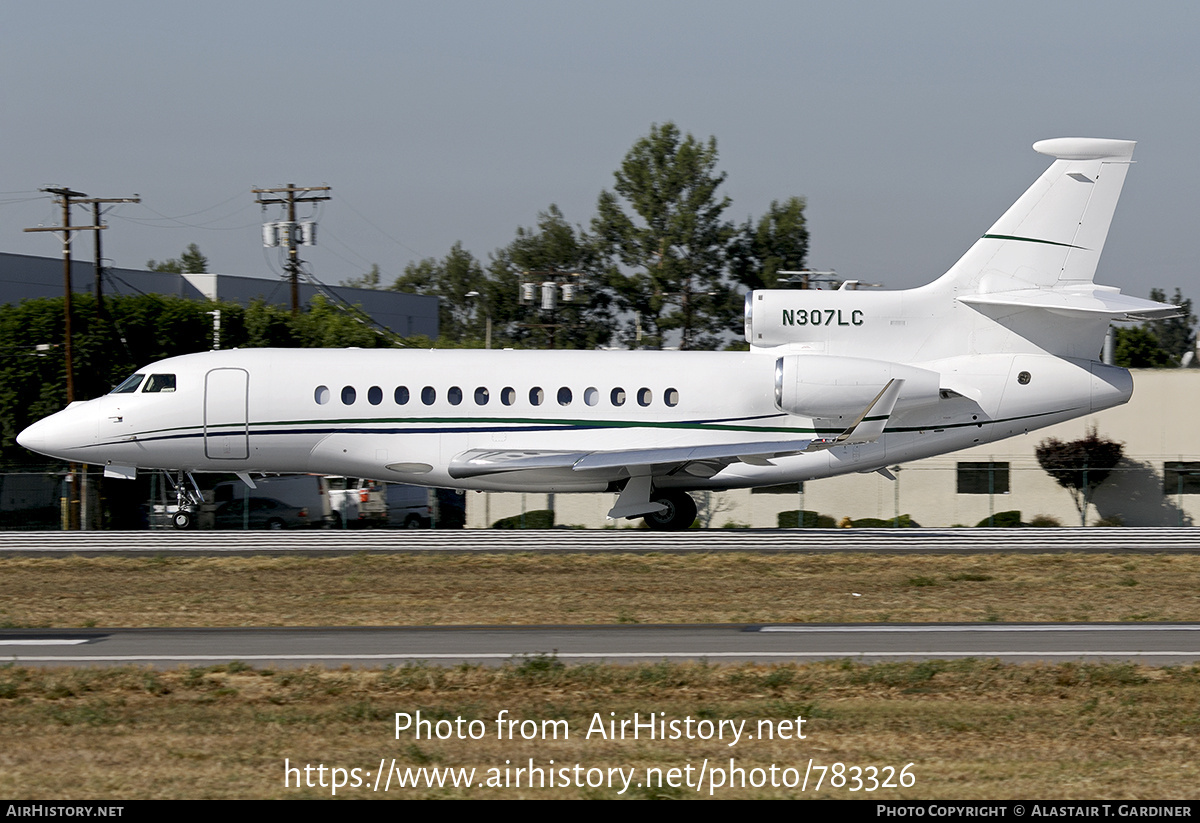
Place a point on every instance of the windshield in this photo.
(129, 386)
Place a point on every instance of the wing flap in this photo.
(481, 462)
(671, 456)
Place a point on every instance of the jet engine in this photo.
(826, 386)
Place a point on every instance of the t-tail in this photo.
(1025, 286)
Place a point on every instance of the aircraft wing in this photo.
(703, 461)
(699, 461)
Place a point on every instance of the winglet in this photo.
(869, 425)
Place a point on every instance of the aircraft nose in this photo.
(34, 437)
(59, 435)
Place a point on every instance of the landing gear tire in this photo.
(182, 520)
(680, 513)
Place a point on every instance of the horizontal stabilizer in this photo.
(1086, 300)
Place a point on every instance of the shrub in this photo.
(906, 522)
(536, 519)
(812, 520)
(1001, 520)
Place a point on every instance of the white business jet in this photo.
(838, 381)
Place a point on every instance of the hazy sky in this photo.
(907, 126)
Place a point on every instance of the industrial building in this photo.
(26, 277)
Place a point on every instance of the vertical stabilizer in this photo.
(1052, 236)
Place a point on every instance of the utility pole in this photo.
(98, 265)
(272, 231)
(65, 196)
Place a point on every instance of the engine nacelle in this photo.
(818, 385)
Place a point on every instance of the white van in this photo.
(372, 504)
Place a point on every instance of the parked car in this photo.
(264, 513)
(285, 501)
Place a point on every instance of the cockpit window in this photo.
(129, 386)
(160, 383)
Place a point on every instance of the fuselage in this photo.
(405, 415)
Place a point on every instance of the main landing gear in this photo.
(662, 509)
(680, 511)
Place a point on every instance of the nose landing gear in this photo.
(187, 501)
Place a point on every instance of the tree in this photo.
(190, 262)
(1174, 335)
(1138, 348)
(1079, 466)
(370, 280)
(450, 279)
(667, 254)
(778, 242)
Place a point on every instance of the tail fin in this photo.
(1042, 253)
(1054, 233)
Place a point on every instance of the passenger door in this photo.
(226, 414)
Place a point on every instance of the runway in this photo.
(1150, 644)
(810, 541)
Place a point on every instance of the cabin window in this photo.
(160, 383)
(536, 396)
(564, 396)
(508, 395)
(671, 397)
(1181, 477)
(617, 397)
(591, 396)
(401, 395)
(454, 395)
(481, 396)
(321, 395)
(428, 395)
(349, 395)
(983, 478)
(129, 385)
(374, 395)
(644, 397)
